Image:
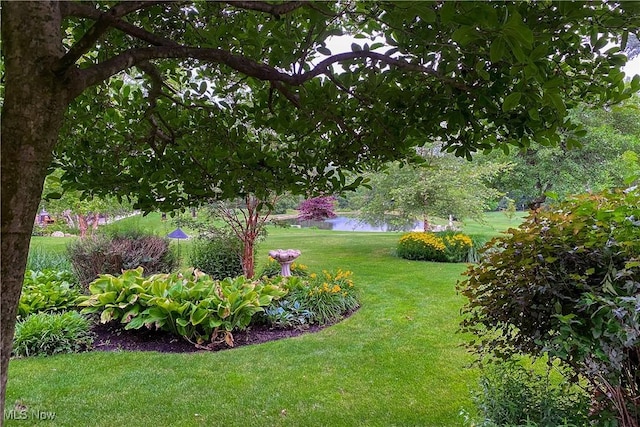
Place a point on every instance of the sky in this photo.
(633, 67)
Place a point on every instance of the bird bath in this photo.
(285, 257)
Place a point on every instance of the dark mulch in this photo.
(113, 337)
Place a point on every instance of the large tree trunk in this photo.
(32, 114)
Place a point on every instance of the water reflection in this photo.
(343, 223)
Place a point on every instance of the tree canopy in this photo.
(172, 101)
(441, 186)
(275, 110)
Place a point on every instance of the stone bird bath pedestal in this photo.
(285, 257)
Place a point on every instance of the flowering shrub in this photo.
(272, 269)
(319, 298)
(445, 246)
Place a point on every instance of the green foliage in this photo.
(447, 246)
(52, 333)
(273, 269)
(41, 259)
(47, 290)
(510, 93)
(112, 254)
(287, 314)
(513, 395)
(598, 164)
(217, 254)
(193, 305)
(441, 185)
(566, 284)
(319, 298)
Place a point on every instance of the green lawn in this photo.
(397, 361)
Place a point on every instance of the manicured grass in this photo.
(396, 361)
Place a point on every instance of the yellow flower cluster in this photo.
(458, 240)
(428, 239)
(332, 284)
(301, 267)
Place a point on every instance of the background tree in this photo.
(317, 208)
(495, 73)
(598, 164)
(78, 212)
(443, 185)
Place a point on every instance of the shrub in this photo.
(513, 395)
(47, 290)
(193, 305)
(103, 254)
(52, 333)
(217, 254)
(445, 246)
(40, 259)
(272, 269)
(566, 284)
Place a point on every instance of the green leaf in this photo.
(497, 50)
(511, 101)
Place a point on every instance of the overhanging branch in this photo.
(97, 73)
(273, 9)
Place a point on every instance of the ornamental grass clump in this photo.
(52, 333)
(445, 246)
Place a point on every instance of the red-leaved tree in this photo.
(317, 209)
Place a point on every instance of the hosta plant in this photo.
(48, 290)
(192, 305)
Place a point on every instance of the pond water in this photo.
(343, 223)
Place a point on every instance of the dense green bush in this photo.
(111, 254)
(217, 254)
(566, 284)
(52, 333)
(513, 395)
(193, 305)
(48, 290)
(447, 246)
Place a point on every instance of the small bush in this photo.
(47, 290)
(102, 254)
(512, 395)
(447, 246)
(272, 269)
(52, 333)
(40, 259)
(217, 254)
